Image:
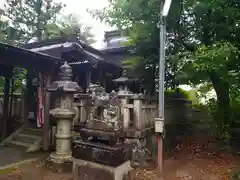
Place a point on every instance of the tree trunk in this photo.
(221, 88)
(39, 23)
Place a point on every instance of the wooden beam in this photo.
(5, 70)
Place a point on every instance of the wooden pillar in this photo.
(88, 79)
(26, 102)
(27, 96)
(108, 82)
(104, 80)
(24, 108)
(5, 107)
(12, 98)
(46, 127)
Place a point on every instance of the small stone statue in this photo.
(105, 107)
(103, 123)
(99, 101)
(111, 112)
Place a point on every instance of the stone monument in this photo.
(124, 95)
(102, 153)
(135, 132)
(61, 159)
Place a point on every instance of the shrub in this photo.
(177, 93)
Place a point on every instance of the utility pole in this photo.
(159, 122)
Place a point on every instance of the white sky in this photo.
(79, 7)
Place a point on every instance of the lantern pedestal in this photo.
(61, 159)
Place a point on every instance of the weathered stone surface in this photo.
(111, 136)
(60, 160)
(106, 155)
(65, 167)
(134, 133)
(78, 126)
(85, 170)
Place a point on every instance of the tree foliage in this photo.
(203, 42)
(196, 29)
(71, 24)
(22, 20)
(30, 18)
(41, 19)
(141, 18)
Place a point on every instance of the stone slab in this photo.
(100, 153)
(110, 136)
(10, 156)
(78, 126)
(99, 133)
(136, 133)
(85, 170)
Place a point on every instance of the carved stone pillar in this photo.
(137, 109)
(125, 113)
(82, 102)
(64, 116)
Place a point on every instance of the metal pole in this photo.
(161, 89)
(159, 122)
(162, 67)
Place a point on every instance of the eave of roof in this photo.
(67, 44)
(62, 40)
(14, 56)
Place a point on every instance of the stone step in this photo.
(26, 138)
(31, 131)
(18, 145)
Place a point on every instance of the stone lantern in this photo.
(123, 84)
(64, 115)
(124, 94)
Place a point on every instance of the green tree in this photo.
(67, 25)
(141, 19)
(7, 32)
(31, 17)
(23, 20)
(71, 24)
(203, 42)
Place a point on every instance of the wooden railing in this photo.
(17, 105)
(136, 111)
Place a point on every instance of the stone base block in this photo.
(85, 170)
(65, 167)
(102, 154)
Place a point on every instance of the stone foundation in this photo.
(63, 167)
(142, 145)
(103, 154)
(85, 170)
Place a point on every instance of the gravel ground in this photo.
(190, 161)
